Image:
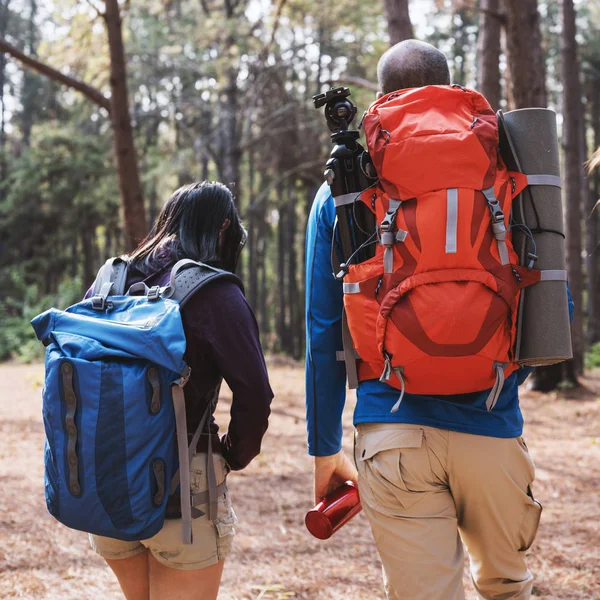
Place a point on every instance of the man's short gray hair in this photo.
(410, 64)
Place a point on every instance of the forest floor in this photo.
(274, 557)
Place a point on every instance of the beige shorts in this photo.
(212, 539)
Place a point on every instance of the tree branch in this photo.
(359, 81)
(267, 47)
(98, 12)
(91, 93)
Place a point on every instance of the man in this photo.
(440, 468)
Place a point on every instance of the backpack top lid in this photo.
(430, 138)
(133, 328)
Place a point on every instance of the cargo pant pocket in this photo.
(394, 468)
(225, 531)
(530, 522)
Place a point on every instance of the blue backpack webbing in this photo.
(105, 316)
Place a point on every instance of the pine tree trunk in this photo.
(30, 80)
(488, 52)
(262, 277)
(230, 171)
(319, 78)
(508, 93)
(262, 232)
(526, 88)
(252, 238)
(592, 215)
(230, 143)
(398, 18)
(89, 263)
(4, 18)
(296, 320)
(572, 128)
(129, 179)
(75, 257)
(281, 274)
(525, 54)
(547, 379)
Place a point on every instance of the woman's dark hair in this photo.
(189, 226)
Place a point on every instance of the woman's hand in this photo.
(331, 472)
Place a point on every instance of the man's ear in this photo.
(379, 95)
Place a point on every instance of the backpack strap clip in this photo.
(154, 293)
(498, 226)
(185, 376)
(99, 300)
(387, 236)
(390, 216)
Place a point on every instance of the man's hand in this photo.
(331, 472)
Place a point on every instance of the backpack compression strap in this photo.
(187, 277)
(182, 477)
(348, 355)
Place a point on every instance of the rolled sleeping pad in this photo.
(529, 144)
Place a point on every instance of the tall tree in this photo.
(488, 51)
(30, 80)
(117, 106)
(127, 167)
(572, 145)
(592, 213)
(398, 19)
(525, 53)
(527, 88)
(4, 19)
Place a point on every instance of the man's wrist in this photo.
(328, 458)
(324, 452)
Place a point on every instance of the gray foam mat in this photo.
(544, 335)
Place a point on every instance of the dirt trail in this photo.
(274, 557)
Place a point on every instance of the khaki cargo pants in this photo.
(423, 489)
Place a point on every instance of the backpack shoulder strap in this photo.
(110, 281)
(188, 276)
(114, 271)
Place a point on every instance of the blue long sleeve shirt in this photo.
(326, 377)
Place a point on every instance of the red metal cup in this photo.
(333, 511)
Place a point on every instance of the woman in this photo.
(200, 222)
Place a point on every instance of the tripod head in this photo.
(348, 172)
(339, 110)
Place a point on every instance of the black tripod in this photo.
(349, 171)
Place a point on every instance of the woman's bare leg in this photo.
(132, 574)
(176, 584)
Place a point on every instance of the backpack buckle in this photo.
(99, 300)
(493, 205)
(390, 216)
(185, 376)
(388, 222)
(154, 293)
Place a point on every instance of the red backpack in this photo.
(434, 311)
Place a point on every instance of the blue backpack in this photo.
(113, 405)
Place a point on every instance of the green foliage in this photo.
(56, 192)
(17, 338)
(592, 357)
